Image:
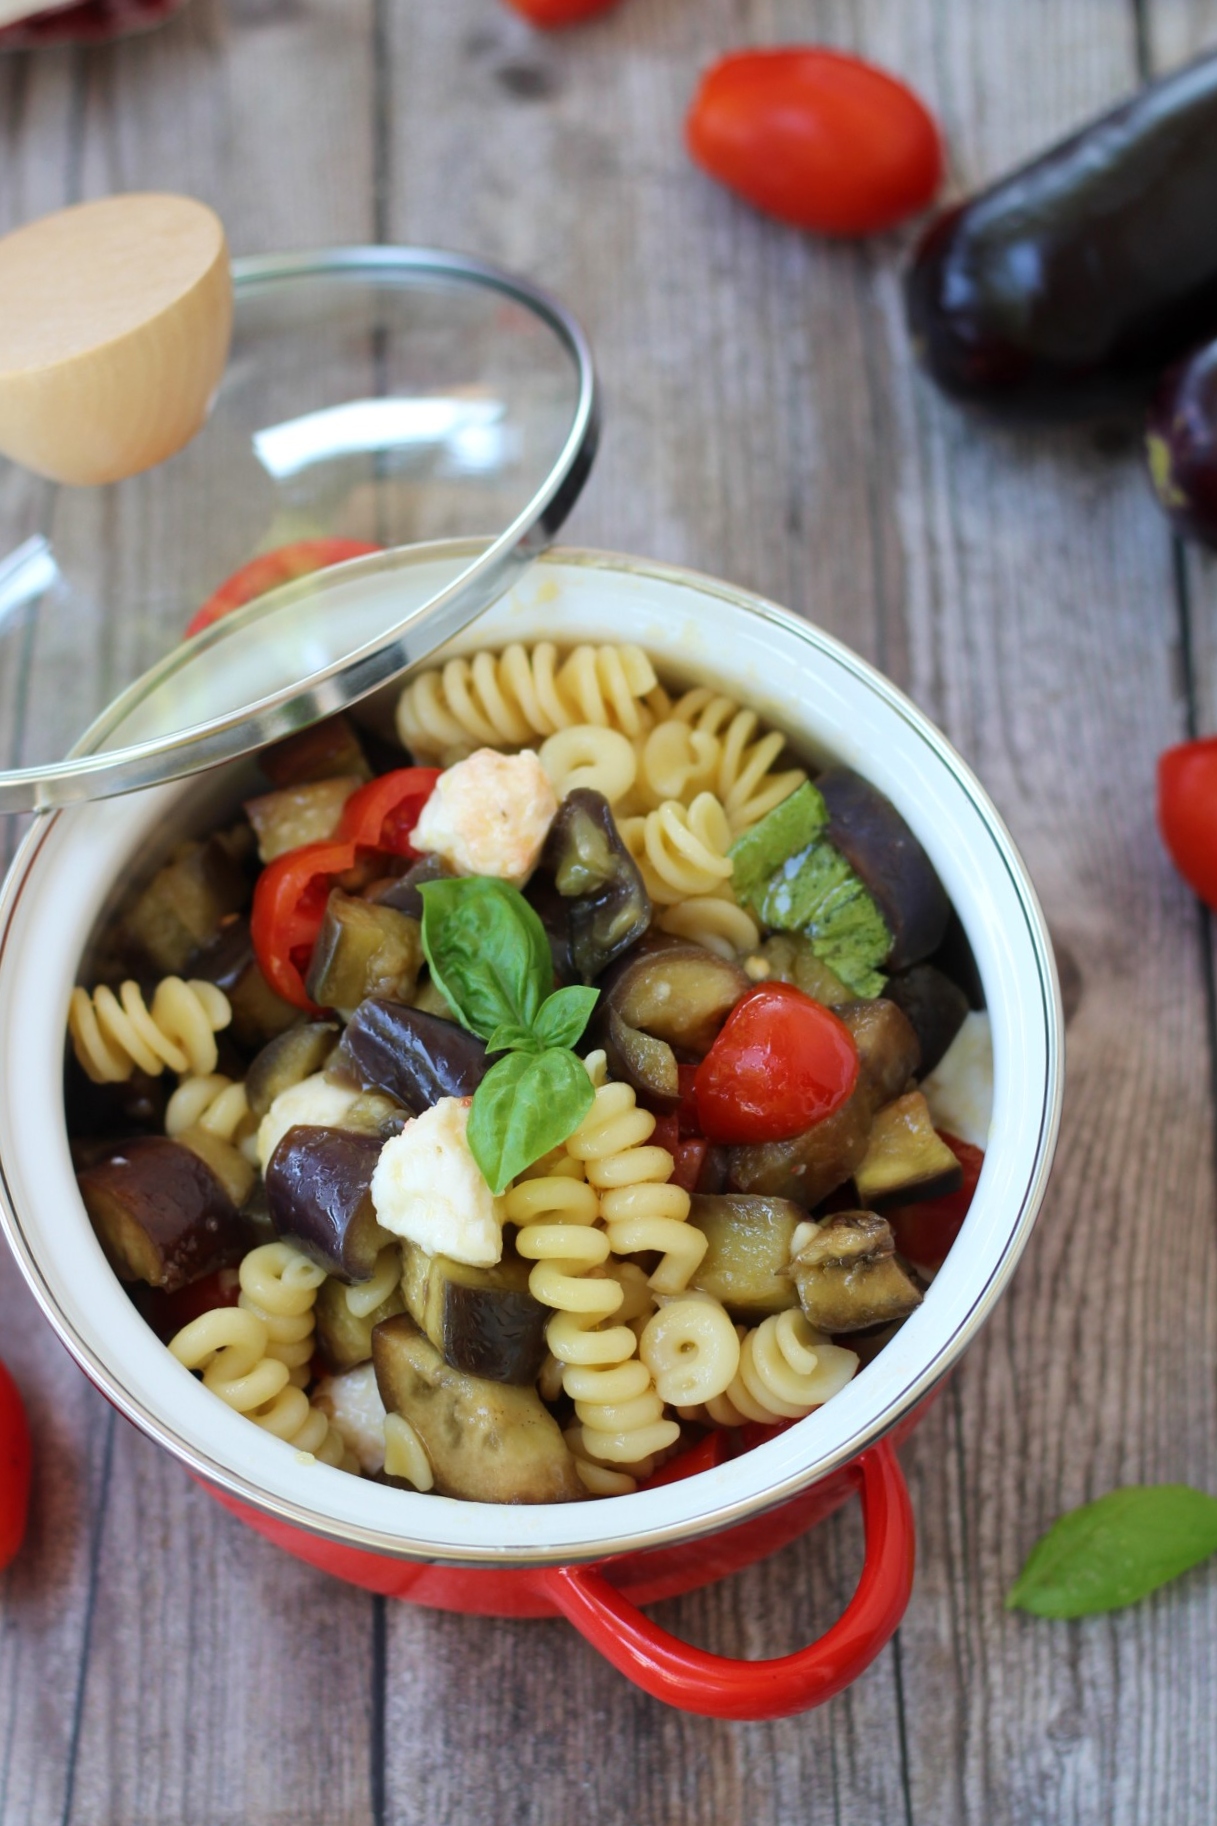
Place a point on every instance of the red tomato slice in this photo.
(550, 15)
(382, 814)
(1187, 813)
(925, 1231)
(820, 140)
(781, 1064)
(289, 906)
(16, 1469)
(269, 569)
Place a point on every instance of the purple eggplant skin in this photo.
(1064, 290)
(1181, 445)
(881, 849)
(416, 1058)
(607, 907)
(160, 1213)
(318, 1194)
(936, 1008)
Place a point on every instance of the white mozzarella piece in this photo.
(489, 815)
(315, 1102)
(428, 1187)
(352, 1401)
(959, 1090)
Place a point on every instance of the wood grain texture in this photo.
(765, 423)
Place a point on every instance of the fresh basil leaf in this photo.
(525, 1105)
(510, 1038)
(487, 951)
(1111, 1552)
(564, 1015)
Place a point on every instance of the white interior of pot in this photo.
(830, 704)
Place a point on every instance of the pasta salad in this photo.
(548, 1110)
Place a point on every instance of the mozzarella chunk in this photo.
(959, 1090)
(428, 1187)
(489, 815)
(315, 1102)
(353, 1403)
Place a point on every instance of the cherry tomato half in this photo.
(289, 906)
(382, 814)
(269, 569)
(16, 1465)
(925, 1231)
(820, 140)
(1187, 813)
(552, 14)
(781, 1064)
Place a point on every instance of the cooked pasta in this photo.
(785, 1370)
(112, 1034)
(675, 762)
(713, 921)
(212, 1102)
(405, 1453)
(365, 1296)
(742, 776)
(642, 1211)
(507, 700)
(233, 1348)
(691, 1349)
(587, 756)
(681, 850)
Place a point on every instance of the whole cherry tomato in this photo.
(820, 140)
(270, 569)
(551, 14)
(16, 1464)
(925, 1231)
(781, 1064)
(1187, 813)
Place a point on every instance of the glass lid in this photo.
(375, 398)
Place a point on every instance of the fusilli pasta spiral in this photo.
(507, 700)
(584, 755)
(642, 1211)
(742, 776)
(785, 1370)
(681, 850)
(713, 921)
(244, 1363)
(113, 1034)
(691, 1349)
(212, 1102)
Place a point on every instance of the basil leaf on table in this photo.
(525, 1105)
(1111, 1552)
(487, 951)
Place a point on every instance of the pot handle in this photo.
(718, 1686)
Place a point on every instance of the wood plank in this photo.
(163, 1663)
(1042, 632)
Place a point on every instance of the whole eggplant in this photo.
(1181, 444)
(1066, 288)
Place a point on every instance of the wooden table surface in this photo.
(159, 1663)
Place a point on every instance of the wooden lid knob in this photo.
(113, 334)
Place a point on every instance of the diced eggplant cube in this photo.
(483, 1320)
(295, 815)
(328, 748)
(486, 1441)
(414, 1057)
(318, 1192)
(936, 1008)
(184, 905)
(363, 950)
(874, 839)
(286, 1061)
(748, 1252)
(681, 994)
(160, 1213)
(906, 1158)
(607, 908)
(848, 1277)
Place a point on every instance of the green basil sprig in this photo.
(1111, 1552)
(490, 958)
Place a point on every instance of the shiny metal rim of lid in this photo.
(91, 772)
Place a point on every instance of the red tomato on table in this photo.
(550, 14)
(818, 139)
(781, 1064)
(1187, 813)
(16, 1465)
(270, 569)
